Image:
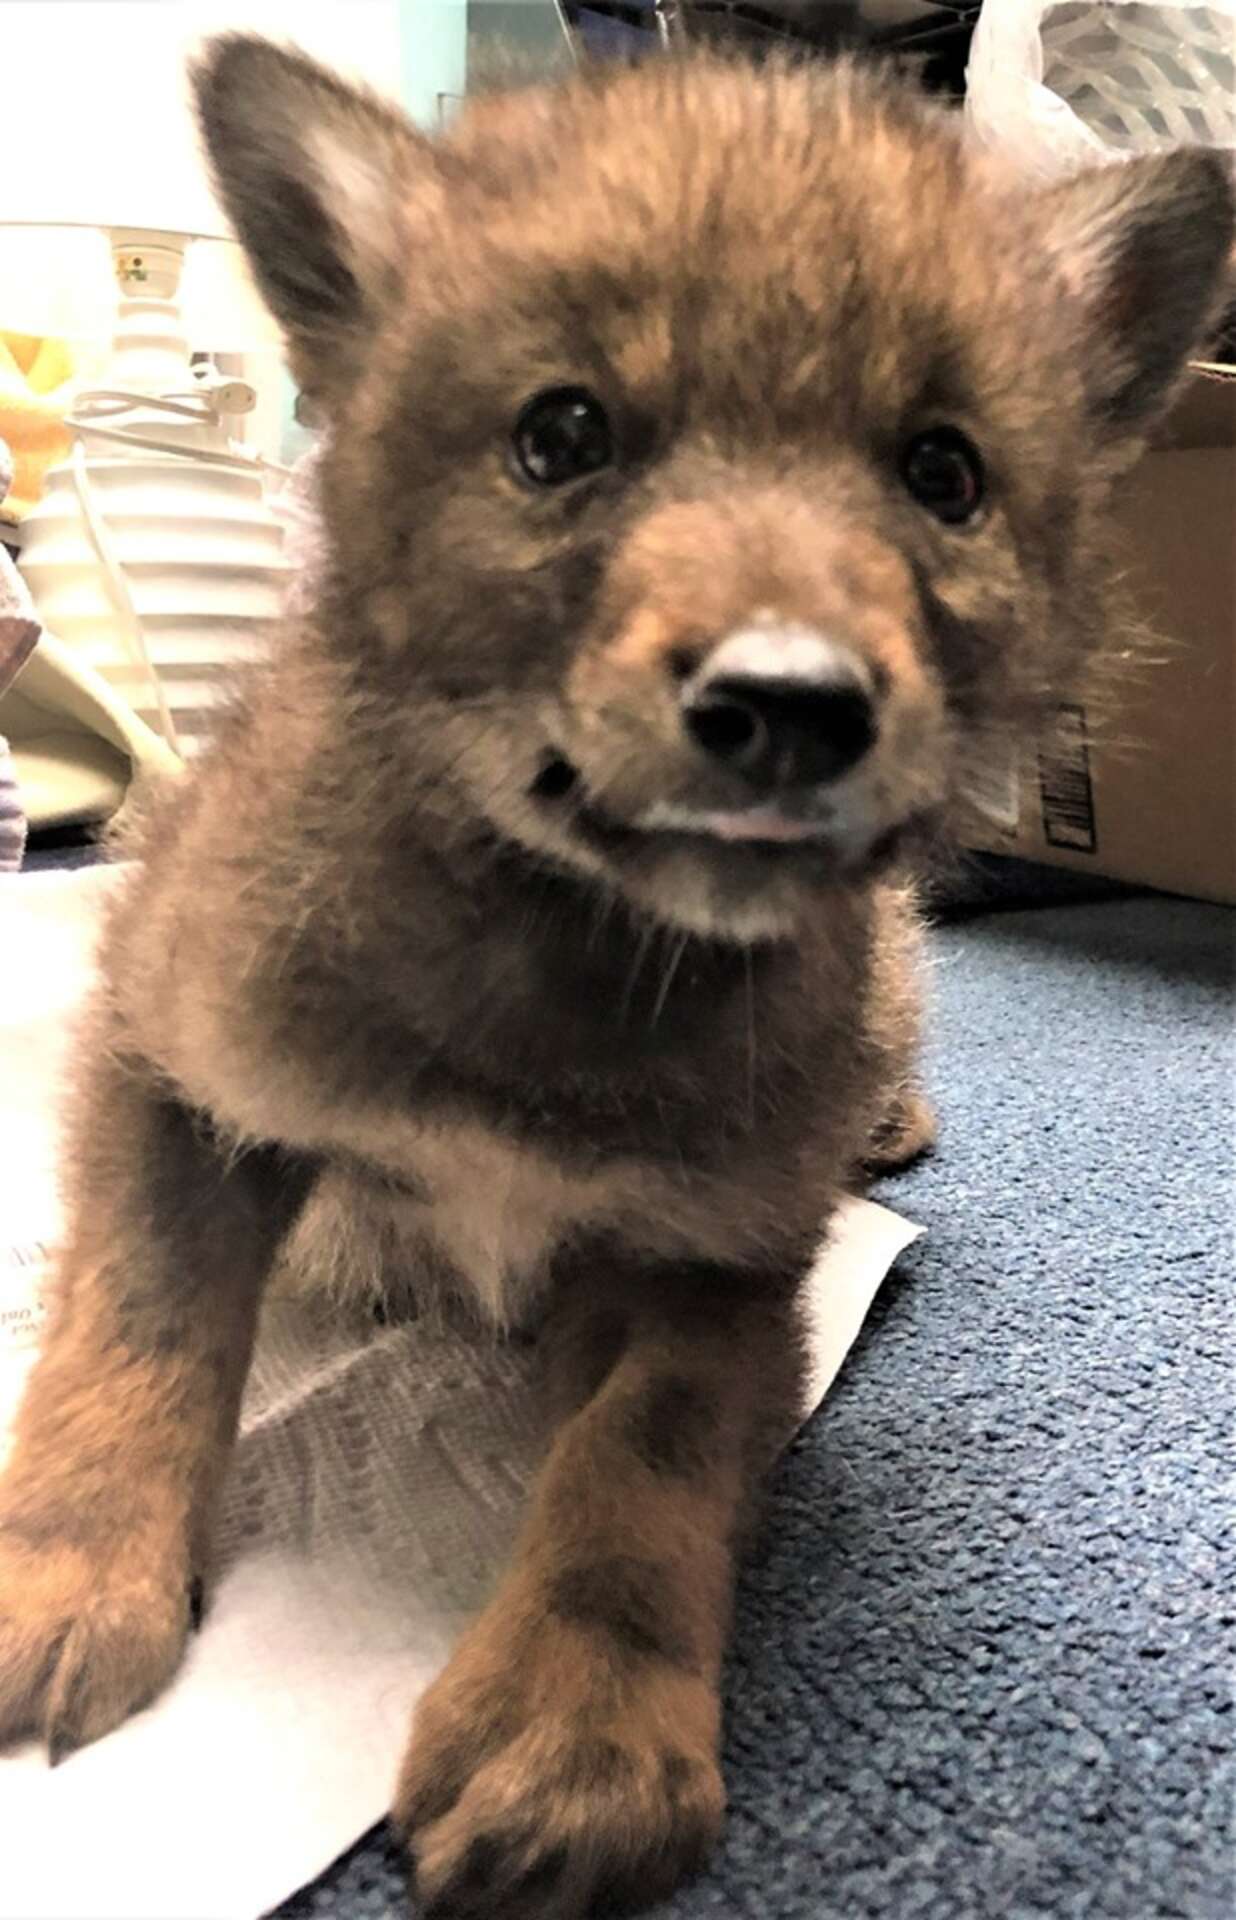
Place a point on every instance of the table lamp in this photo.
(152, 550)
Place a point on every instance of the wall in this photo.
(434, 56)
(524, 37)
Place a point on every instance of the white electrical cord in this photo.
(119, 400)
(118, 587)
(112, 402)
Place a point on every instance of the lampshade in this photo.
(97, 110)
(96, 103)
(97, 119)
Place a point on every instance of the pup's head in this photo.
(720, 455)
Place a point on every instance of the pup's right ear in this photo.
(313, 174)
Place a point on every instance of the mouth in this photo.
(760, 829)
(758, 826)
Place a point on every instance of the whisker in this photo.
(648, 935)
(667, 978)
(749, 974)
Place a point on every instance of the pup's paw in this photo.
(537, 1789)
(89, 1632)
(908, 1131)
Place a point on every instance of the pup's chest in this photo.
(492, 1208)
(411, 1197)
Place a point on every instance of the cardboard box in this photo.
(1146, 791)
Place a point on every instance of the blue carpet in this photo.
(982, 1661)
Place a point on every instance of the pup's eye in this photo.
(945, 474)
(562, 434)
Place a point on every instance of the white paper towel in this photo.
(376, 1488)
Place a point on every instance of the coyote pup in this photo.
(719, 457)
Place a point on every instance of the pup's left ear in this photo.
(1145, 246)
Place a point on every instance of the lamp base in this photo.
(202, 562)
(152, 551)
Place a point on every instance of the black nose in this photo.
(782, 728)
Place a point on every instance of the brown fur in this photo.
(388, 1001)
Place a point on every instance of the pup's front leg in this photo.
(130, 1411)
(568, 1755)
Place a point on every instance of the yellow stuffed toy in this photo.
(36, 391)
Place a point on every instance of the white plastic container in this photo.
(1061, 86)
